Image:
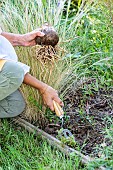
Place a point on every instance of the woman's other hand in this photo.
(50, 94)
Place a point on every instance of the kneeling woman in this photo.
(14, 73)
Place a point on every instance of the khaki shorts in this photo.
(11, 100)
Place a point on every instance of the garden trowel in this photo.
(60, 113)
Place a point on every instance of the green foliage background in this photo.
(86, 35)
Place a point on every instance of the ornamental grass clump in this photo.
(46, 60)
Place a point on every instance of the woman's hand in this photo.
(50, 94)
(29, 38)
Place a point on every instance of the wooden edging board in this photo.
(53, 141)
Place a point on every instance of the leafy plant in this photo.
(70, 140)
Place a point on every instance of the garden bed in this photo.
(88, 112)
(86, 117)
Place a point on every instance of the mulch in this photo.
(87, 116)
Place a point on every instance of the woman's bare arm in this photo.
(48, 93)
(26, 40)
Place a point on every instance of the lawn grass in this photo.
(21, 150)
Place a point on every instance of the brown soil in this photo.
(86, 117)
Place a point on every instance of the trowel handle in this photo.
(58, 110)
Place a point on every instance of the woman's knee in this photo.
(12, 105)
(14, 72)
(11, 78)
(16, 103)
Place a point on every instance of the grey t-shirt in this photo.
(7, 52)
